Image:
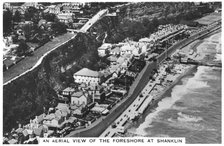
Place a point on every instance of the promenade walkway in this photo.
(101, 124)
(29, 63)
(97, 129)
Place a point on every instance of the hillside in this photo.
(30, 94)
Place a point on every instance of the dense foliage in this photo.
(32, 93)
(141, 19)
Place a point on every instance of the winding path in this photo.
(30, 63)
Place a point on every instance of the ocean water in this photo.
(191, 109)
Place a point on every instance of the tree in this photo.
(32, 14)
(22, 49)
(145, 22)
(7, 21)
(17, 16)
(49, 17)
(59, 28)
(166, 11)
(155, 22)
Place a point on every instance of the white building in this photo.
(87, 76)
(78, 98)
(103, 49)
(66, 17)
(68, 91)
(218, 10)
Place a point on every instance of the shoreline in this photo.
(175, 82)
(97, 129)
(134, 110)
(165, 93)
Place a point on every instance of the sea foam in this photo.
(177, 93)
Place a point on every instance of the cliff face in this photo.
(27, 96)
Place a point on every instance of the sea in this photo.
(191, 109)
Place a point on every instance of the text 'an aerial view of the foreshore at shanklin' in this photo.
(112, 69)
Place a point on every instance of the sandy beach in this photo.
(149, 97)
(153, 118)
(163, 84)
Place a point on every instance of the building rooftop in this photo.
(63, 107)
(105, 46)
(69, 89)
(87, 72)
(52, 6)
(77, 94)
(112, 58)
(12, 141)
(116, 50)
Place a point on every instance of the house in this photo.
(87, 76)
(66, 17)
(18, 8)
(12, 141)
(68, 91)
(218, 11)
(29, 4)
(136, 52)
(98, 96)
(25, 132)
(78, 98)
(39, 131)
(63, 107)
(112, 59)
(72, 7)
(119, 91)
(99, 108)
(115, 51)
(39, 119)
(106, 73)
(77, 111)
(54, 123)
(147, 40)
(120, 60)
(6, 5)
(102, 50)
(32, 125)
(127, 49)
(19, 130)
(61, 115)
(55, 9)
(115, 75)
(49, 117)
(56, 119)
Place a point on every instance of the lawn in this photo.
(209, 19)
(30, 61)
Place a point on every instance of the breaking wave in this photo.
(168, 102)
(188, 118)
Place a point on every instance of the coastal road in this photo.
(187, 41)
(99, 127)
(31, 62)
(94, 19)
(138, 85)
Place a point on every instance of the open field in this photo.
(209, 19)
(30, 61)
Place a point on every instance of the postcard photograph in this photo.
(125, 70)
